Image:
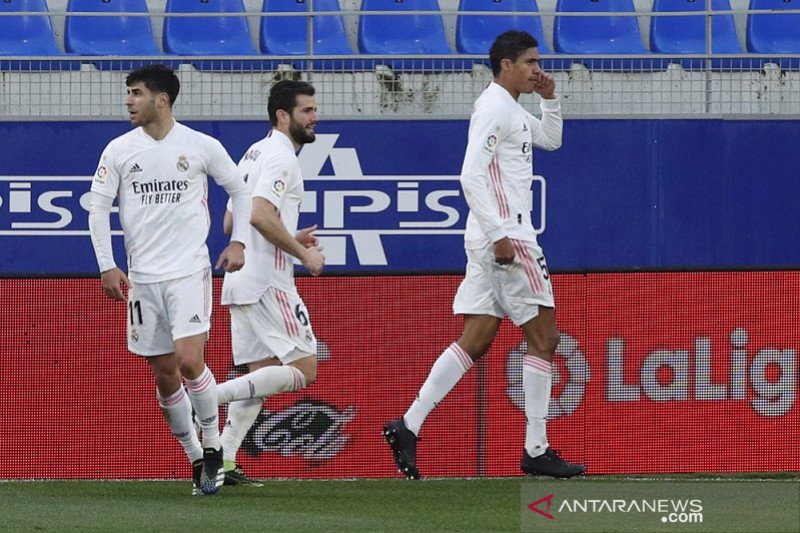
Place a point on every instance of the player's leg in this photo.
(240, 418)
(451, 365)
(448, 369)
(274, 338)
(149, 335)
(275, 326)
(538, 458)
(175, 404)
(188, 301)
(527, 297)
(482, 315)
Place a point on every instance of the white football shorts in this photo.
(276, 326)
(160, 313)
(516, 290)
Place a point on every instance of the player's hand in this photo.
(504, 251)
(232, 257)
(545, 86)
(307, 238)
(113, 280)
(313, 260)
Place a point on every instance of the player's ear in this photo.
(162, 99)
(282, 115)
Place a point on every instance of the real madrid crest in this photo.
(183, 163)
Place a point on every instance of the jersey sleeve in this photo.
(547, 132)
(275, 175)
(107, 176)
(487, 129)
(225, 172)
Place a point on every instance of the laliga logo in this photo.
(572, 392)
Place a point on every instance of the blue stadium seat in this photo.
(475, 33)
(114, 35)
(687, 34)
(288, 36)
(210, 36)
(775, 34)
(29, 35)
(601, 35)
(405, 33)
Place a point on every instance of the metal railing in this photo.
(402, 86)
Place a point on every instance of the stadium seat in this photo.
(405, 34)
(115, 35)
(775, 33)
(475, 33)
(29, 35)
(288, 36)
(601, 35)
(210, 36)
(687, 34)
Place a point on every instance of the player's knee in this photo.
(475, 348)
(308, 368)
(311, 376)
(546, 343)
(551, 341)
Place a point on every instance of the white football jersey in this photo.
(272, 172)
(497, 172)
(162, 188)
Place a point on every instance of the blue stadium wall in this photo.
(619, 195)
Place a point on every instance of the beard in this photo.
(299, 133)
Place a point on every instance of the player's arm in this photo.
(275, 177)
(226, 174)
(485, 133)
(547, 133)
(104, 188)
(265, 218)
(227, 219)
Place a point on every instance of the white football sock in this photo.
(448, 369)
(177, 411)
(203, 395)
(241, 415)
(262, 383)
(537, 382)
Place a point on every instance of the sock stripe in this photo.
(531, 362)
(172, 400)
(201, 383)
(297, 376)
(462, 356)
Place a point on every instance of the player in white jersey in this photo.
(159, 173)
(270, 327)
(506, 272)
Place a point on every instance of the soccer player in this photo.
(506, 273)
(159, 172)
(270, 327)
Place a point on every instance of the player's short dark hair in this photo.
(510, 45)
(157, 79)
(283, 95)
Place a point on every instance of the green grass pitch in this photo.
(484, 504)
